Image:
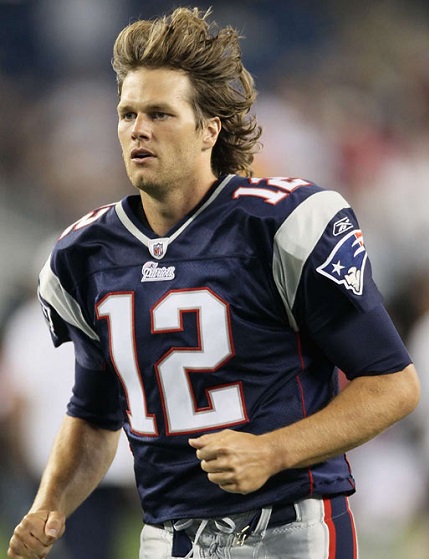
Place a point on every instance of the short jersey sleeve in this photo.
(324, 276)
(96, 394)
(66, 320)
(96, 398)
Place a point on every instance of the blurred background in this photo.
(343, 101)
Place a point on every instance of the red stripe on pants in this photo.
(331, 529)
(352, 523)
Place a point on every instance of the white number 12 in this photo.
(182, 414)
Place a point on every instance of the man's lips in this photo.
(140, 154)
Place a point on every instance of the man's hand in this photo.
(237, 462)
(34, 537)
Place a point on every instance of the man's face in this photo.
(157, 131)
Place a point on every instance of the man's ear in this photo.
(211, 131)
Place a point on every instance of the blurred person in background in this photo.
(38, 378)
(278, 477)
(39, 389)
(13, 477)
(395, 523)
(418, 342)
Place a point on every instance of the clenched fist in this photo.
(34, 537)
(237, 462)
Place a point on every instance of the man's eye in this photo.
(126, 115)
(159, 116)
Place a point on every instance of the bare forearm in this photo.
(241, 462)
(365, 408)
(80, 457)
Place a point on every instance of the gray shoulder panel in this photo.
(296, 239)
(68, 308)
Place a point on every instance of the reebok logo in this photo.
(341, 226)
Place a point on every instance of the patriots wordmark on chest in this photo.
(151, 271)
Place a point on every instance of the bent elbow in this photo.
(410, 389)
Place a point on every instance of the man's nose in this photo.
(141, 128)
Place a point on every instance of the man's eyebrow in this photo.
(150, 107)
(123, 107)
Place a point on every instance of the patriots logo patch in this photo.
(346, 263)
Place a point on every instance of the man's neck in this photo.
(162, 214)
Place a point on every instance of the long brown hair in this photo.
(211, 57)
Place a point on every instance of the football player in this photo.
(210, 313)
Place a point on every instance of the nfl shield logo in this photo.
(158, 247)
(158, 250)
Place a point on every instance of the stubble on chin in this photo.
(139, 181)
(151, 187)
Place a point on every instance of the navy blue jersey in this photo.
(238, 318)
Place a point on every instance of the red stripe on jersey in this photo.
(331, 529)
(304, 410)
(351, 477)
(301, 359)
(298, 380)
